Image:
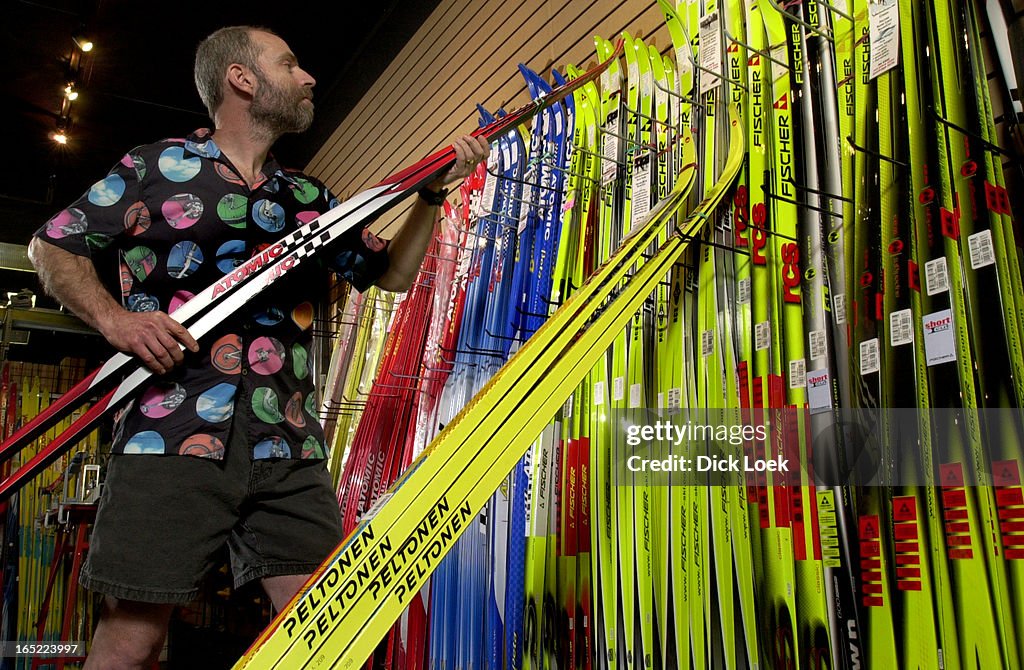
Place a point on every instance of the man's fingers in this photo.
(163, 356)
(171, 346)
(181, 334)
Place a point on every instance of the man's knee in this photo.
(130, 634)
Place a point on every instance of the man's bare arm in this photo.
(72, 279)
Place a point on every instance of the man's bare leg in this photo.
(129, 635)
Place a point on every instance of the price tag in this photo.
(839, 308)
(710, 53)
(869, 358)
(980, 247)
(884, 36)
(797, 373)
(762, 336)
(936, 278)
(743, 291)
(939, 340)
(901, 328)
(819, 344)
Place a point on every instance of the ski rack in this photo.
(351, 601)
(224, 297)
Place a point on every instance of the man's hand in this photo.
(469, 151)
(151, 336)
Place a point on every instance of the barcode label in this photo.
(981, 250)
(797, 373)
(762, 336)
(901, 328)
(635, 395)
(839, 308)
(675, 398)
(707, 343)
(936, 278)
(869, 357)
(567, 408)
(599, 393)
(819, 344)
(743, 292)
(618, 389)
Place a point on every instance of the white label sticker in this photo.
(618, 388)
(936, 278)
(599, 393)
(710, 53)
(939, 340)
(567, 408)
(901, 328)
(819, 344)
(884, 34)
(707, 343)
(641, 198)
(661, 400)
(485, 205)
(840, 5)
(981, 250)
(675, 398)
(635, 395)
(819, 392)
(839, 308)
(869, 358)
(762, 336)
(797, 373)
(743, 292)
(780, 56)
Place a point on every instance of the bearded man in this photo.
(225, 446)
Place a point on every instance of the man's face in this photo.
(283, 102)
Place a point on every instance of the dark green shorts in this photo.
(162, 519)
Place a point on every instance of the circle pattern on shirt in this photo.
(202, 445)
(226, 354)
(159, 400)
(178, 300)
(145, 442)
(142, 302)
(300, 361)
(137, 218)
(175, 167)
(268, 215)
(266, 406)
(311, 405)
(135, 161)
(70, 221)
(302, 315)
(312, 448)
(232, 208)
(217, 404)
(230, 255)
(293, 411)
(266, 355)
(184, 259)
(271, 316)
(305, 192)
(182, 211)
(225, 172)
(305, 217)
(107, 191)
(272, 447)
(141, 261)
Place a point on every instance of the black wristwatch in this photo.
(435, 198)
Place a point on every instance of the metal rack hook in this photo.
(800, 22)
(875, 154)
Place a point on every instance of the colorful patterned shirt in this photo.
(169, 220)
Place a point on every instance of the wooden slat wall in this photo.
(466, 52)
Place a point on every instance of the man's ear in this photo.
(241, 79)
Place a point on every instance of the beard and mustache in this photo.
(280, 111)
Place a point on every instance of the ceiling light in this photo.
(83, 42)
(70, 92)
(60, 137)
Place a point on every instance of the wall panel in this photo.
(465, 53)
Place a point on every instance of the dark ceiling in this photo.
(136, 85)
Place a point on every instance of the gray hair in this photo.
(214, 54)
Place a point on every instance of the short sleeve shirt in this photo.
(169, 220)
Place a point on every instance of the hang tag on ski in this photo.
(939, 340)
(485, 205)
(936, 276)
(743, 291)
(797, 373)
(884, 36)
(901, 328)
(819, 344)
(981, 250)
(710, 53)
(839, 308)
(762, 336)
(641, 198)
(610, 149)
(819, 395)
(869, 359)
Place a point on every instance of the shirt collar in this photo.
(201, 143)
